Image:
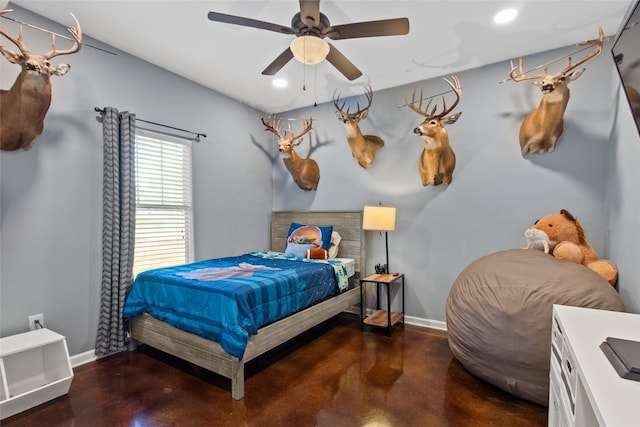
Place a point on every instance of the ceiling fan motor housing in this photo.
(308, 26)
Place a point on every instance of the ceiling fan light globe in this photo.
(309, 50)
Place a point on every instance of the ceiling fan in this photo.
(310, 27)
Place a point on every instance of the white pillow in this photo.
(335, 243)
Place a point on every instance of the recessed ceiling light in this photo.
(505, 15)
(280, 83)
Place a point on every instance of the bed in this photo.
(208, 354)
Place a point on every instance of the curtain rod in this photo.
(197, 134)
(57, 34)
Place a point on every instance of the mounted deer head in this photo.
(25, 105)
(541, 129)
(305, 172)
(438, 160)
(363, 147)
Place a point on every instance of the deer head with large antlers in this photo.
(305, 172)
(438, 160)
(541, 129)
(363, 147)
(25, 105)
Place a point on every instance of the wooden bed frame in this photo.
(207, 354)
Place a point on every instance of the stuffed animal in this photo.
(562, 236)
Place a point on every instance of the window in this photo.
(164, 218)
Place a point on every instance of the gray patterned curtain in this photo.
(118, 227)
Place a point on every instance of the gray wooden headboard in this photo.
(347, 223)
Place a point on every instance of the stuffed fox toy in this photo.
(562, 236)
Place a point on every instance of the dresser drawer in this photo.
(557, 339)
(559, 412)
(569, 374)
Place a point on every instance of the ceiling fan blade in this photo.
(385, 27)
(338, 60)
(310, 12)
(247, 22)
(278, 63)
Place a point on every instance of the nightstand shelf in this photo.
(380, 318)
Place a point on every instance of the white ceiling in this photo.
(444, 37)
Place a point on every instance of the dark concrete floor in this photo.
(334, 375)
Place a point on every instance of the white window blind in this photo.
(164, 218)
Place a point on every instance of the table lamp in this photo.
(380, 218)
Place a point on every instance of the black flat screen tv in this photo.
(626, 54)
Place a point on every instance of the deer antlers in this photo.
(76, 32)
(522, 76)
(455, 86)
(274, 125)
(369, 95)
(307, 124)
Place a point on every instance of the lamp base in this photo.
(382, 268)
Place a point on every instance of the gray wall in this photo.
(51, 196)
(496, 193)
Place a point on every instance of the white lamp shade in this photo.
(382, 218)
(309, 49)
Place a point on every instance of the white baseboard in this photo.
(427, 323)
(83, 358)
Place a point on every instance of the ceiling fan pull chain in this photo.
(304, 77)
(315, 85)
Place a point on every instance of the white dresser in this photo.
(584, 389)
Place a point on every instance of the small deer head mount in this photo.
(438, 160)
(305, 172)
(363, 147)
(25, 105)
(541, 129)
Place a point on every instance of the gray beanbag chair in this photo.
(499, 315)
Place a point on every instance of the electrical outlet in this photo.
(32, 321)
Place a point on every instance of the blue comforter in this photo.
(227, 299)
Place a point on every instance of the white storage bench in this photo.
(34, 368)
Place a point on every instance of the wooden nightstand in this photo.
(381, 318)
